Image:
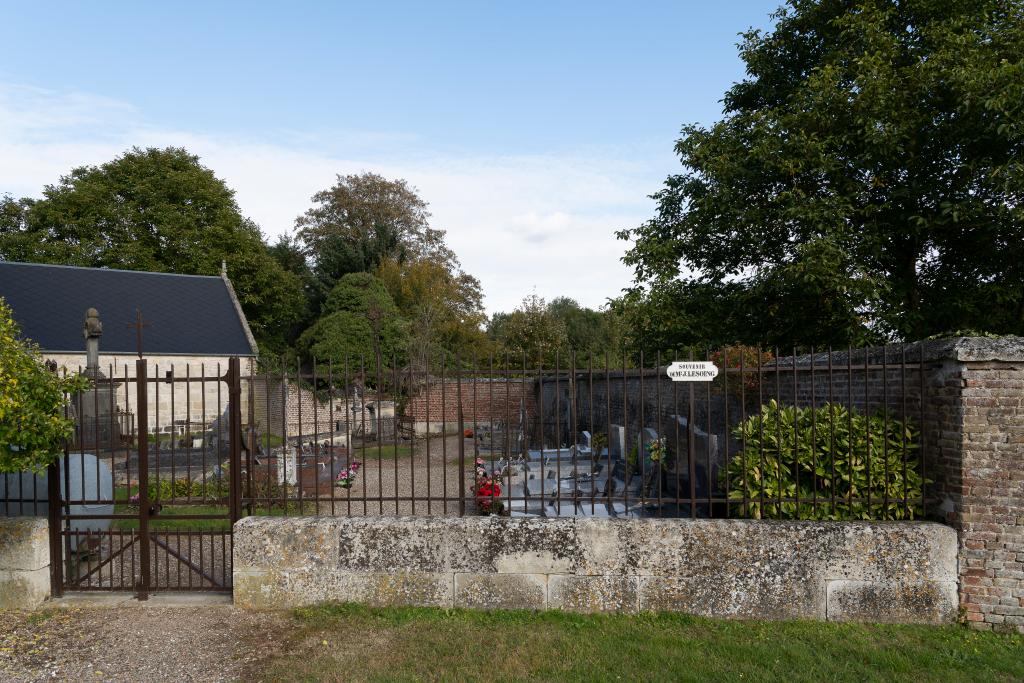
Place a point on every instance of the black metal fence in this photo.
(815, 435)
(164, 460)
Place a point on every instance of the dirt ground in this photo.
(138, 643)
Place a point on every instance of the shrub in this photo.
(826, 450)
(32, 421)
(215, 488)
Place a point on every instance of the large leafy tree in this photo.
(360, 222)
(360, 327)
(866, 181)
(531, 332)
(590, 334)
(32, 421)
(156, 210)
(444, 309)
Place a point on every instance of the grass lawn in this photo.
(381, 452)
(347, 643)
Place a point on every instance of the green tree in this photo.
(867, 178)
(363, 220)
(444, 310)
(589, 333)
(360, 324)
(157, 210)
(290, 256)
(532, 332)
(32, 422)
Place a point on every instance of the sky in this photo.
(535, 130)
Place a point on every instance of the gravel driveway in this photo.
(138, 643)
(432, 473)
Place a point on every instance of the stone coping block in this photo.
(24, 562)
(889, 571)
(24, 543)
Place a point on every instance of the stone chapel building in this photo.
(194, 325)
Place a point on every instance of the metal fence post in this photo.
(53, 510)
(142, 436)
(235, 438)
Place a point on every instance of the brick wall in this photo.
(483, 401)
(981, 468)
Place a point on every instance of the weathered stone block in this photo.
(513, 545)
(381, 544)
(593, 593)
(891, 551)
(924, 602)
(270, 542)
(747, 595)
(24, 543)
(24, 589)
(273, 589)
(501, 591)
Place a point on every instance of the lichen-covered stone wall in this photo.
(836, 571)
(24, 562)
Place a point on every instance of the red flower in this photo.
(488, 490)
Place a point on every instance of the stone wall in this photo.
(966, 395)
(285, 408)
(201, 402)
(834, 571)
(24, 562)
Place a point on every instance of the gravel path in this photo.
(416, 475)
(137, 643)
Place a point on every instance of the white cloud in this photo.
(518, 223)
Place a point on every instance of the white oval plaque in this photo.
(692, 371)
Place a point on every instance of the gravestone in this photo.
(617, 442)
(98, 426)
(26, 495)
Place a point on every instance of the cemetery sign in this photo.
(692, 371)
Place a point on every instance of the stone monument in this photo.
(98, 424)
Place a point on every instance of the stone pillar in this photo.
(24, 562)
(974, 452)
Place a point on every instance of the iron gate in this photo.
(152, 509)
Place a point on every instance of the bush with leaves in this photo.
(32, 399)
(749, 359)
(212, 489)
(867, 464)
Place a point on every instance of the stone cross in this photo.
(92, 330)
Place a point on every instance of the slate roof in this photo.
(193, 315)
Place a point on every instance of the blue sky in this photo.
(533, 129)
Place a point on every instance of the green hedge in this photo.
(827, 450)
(215, 488)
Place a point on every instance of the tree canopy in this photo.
(866, 183)
(362, 220)
(444, 309)
(156, 210)
(360, 323)
(560, 331)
